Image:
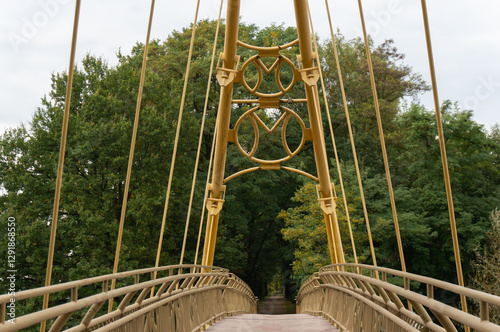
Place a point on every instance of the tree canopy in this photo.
(263, 231)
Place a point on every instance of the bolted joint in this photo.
(214, 206)
(310, 76)
(328, 205)
(226, 76)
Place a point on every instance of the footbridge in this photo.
(203, 297)
(348, 297)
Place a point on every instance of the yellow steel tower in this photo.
(229, 73)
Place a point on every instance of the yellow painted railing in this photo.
(357, 297)
(186, 298)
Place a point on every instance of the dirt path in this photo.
(276, 305)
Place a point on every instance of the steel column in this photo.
(223, 117)
(327, 200)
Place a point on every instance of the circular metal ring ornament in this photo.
(277, 65)
(285, 118)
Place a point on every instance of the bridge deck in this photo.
(257, 323)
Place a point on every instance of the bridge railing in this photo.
(170, 298)
(357, 297)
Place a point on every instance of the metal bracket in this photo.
(214, 205)
(226, 76)
(327, 204)
(273, 166)
(310, 76)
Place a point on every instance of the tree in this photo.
(250, 241)
(474, 180)
(305, 226)
(395, 80)
(420, 197)
(101, 117)
(487, 265)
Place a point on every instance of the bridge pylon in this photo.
(229, 73)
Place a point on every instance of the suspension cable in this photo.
(382, 139)
(131, 152)
(341, 181)
(60, 168)
(176, 142)
(209, 84)
(353, 145)
(212, 152)
(444, 158)
(205, 197)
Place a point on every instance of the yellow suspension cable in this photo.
(353, 145)
(341, 181)
(201, 136)
(382, 140)
(444, 158)
(200, 231)
(62, 151)
(205, 198)
(206, 191)
(338, 260)
(176, 142)
(131, 152)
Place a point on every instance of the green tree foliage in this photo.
(250, 239)
(99, 137)
(474, 178)
(101, 120)
(420, 193)
(394, 80)
(305, 226)
(487, 265)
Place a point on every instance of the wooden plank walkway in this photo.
(258, 323)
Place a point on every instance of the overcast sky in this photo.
(36, 36)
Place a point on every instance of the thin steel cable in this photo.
(131, 152)
(382, 140)
(329, 231)
(62, 151)
(335, 148)
(341, 181)
(210, 163)
(200, 231)
(176, 142)
(193, 185)
(444, 158)
(353, 145)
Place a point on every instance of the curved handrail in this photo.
(468, 292)
(104, 278)
(227, 295)
(357, 292)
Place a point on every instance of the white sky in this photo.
(36, 35)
